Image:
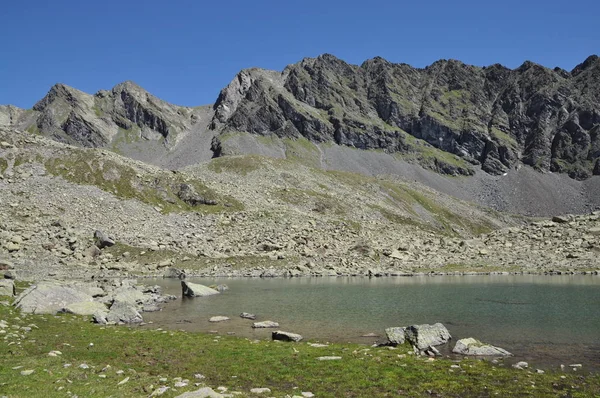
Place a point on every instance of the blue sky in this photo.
(186, 51)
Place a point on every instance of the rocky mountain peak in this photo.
(590, 62)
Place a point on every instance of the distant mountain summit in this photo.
(449, 116)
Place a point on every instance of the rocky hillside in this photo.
(252, 215)
(493, 116)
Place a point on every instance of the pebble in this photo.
(125, 380)
(27, 372)
(329, 358)
(84, 366)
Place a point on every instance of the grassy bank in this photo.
(145, 357)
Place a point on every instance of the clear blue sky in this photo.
(186, 51)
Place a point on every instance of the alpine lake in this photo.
(547, 321)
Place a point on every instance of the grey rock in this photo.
(188, 194)
(285, 336)
(521, 365)
(247, 315)
(471, 346)
(189, 289)
(49, 297)
(204, 392)
(102, 240)
(7, 287)
(260, 390)
(265, 324)
(329, 358)
(424, 336)
(85, 308)
(122, 312)
(395, 335)
(218, 318)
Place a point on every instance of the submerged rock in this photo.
(218, 318)
(471, 346)
(247, 315)
(189, 289)
(265, 324)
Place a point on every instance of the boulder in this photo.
(189, 289)
(188, 194)
(7, 287)
(218, 318)
(471, 346)
(424, 336)
(247, 315)
(102, 240)
(85, 308)
(172, 272)
(49, 298)
(395, 335)
(121, 312)
(285, 336)
(265, 324)
(204, 392)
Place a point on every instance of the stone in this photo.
(265, 324)
(49, 297)
(172, 272)
(12, 247)
(471, 346)
(204, 392)
(218, 318)
(7, 287)
(395, 335)
(121, 312)
(102, 240)
(260, 390)
(285, 336)
(247, 315)
(329, 358)
(27, 372)
(521, 365)
(84, 308)
(189, 289)
(424, 336)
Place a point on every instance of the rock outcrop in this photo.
(50, 297)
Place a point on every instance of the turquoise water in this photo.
(547, 320)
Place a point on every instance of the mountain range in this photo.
(449, 117)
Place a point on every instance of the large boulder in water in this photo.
(424, 336)
(49, 298)
(471, 346)
(189, 289)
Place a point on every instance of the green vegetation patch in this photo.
(130, 362)
(241, 165)
(160, 189)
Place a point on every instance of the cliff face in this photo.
(493, 116)
(447, 116)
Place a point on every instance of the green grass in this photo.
(146, 355)
(241, 165)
